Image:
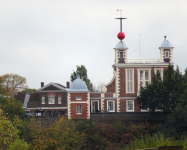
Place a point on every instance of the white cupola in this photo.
(166, 51)
(120, 52)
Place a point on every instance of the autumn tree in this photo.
(27, 90)
(14, 83)
(82, 71)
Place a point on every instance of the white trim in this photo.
(126, 70)
(127, 105)
(160, 69)
(53, 85)
(113, 105)
(112, 79)
(123, 65)
(84, 92)
(88, 106)
(97, 104)
(52, 91)
(69, 106)
(143, 69)
(49, 108)
(113, 98)
(78, 102)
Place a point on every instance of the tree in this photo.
(98, 87)
(27, 90)
(163, 94)
(83, 75)
(14, 82)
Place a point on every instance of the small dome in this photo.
(78, 85)
(121, 44)
(166, 43)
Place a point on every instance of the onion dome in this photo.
(78, 85)
(121, 45)
(166, 43)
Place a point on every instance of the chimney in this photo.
(67, 85)
(42, 84)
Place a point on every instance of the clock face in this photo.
(104, 89)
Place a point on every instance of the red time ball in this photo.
(121, 35)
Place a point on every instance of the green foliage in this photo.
(176, 123)
(18, 145)
(8, 132)
(163, 94)
(60, 134)
(27, 90)
(83, 75)
(11, 107)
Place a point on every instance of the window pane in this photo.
(110, 106)
(51, 99)
(79, 109)
(146, 75)
(141, 83)
(78, 97)
(59, 100)
(43, 100)
(130, 105)
(121, 54)
(141, 75)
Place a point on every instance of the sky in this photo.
(44, 40)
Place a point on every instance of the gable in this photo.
(51, 87)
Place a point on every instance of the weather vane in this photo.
(121, 35)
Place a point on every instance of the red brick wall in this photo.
(84, 111)
(111, 86)
(84, 96)
(95, 94)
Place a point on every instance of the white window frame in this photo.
(143, 69)
(166, 53)
(59, 99)
(113, 101)
(78, 97)
(127, 105)
(50, 98)
(160, 70)
(97, 105)
(43, 100)
(78, 109)
(128, 81)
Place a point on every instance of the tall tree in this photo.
(83, 75)
(14, 82)
(163, 93)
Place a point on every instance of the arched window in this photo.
(51, 99)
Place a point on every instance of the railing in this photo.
(142, 60)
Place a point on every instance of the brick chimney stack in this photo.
(42, 84)
(67, 85)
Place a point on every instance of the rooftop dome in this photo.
(166, 43)
(121, 44)
(78, 85)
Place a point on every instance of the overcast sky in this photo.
(44, 40)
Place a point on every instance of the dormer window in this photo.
(166, 54)
(78, 98)
(121, 54)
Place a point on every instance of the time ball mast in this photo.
(121, 35)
